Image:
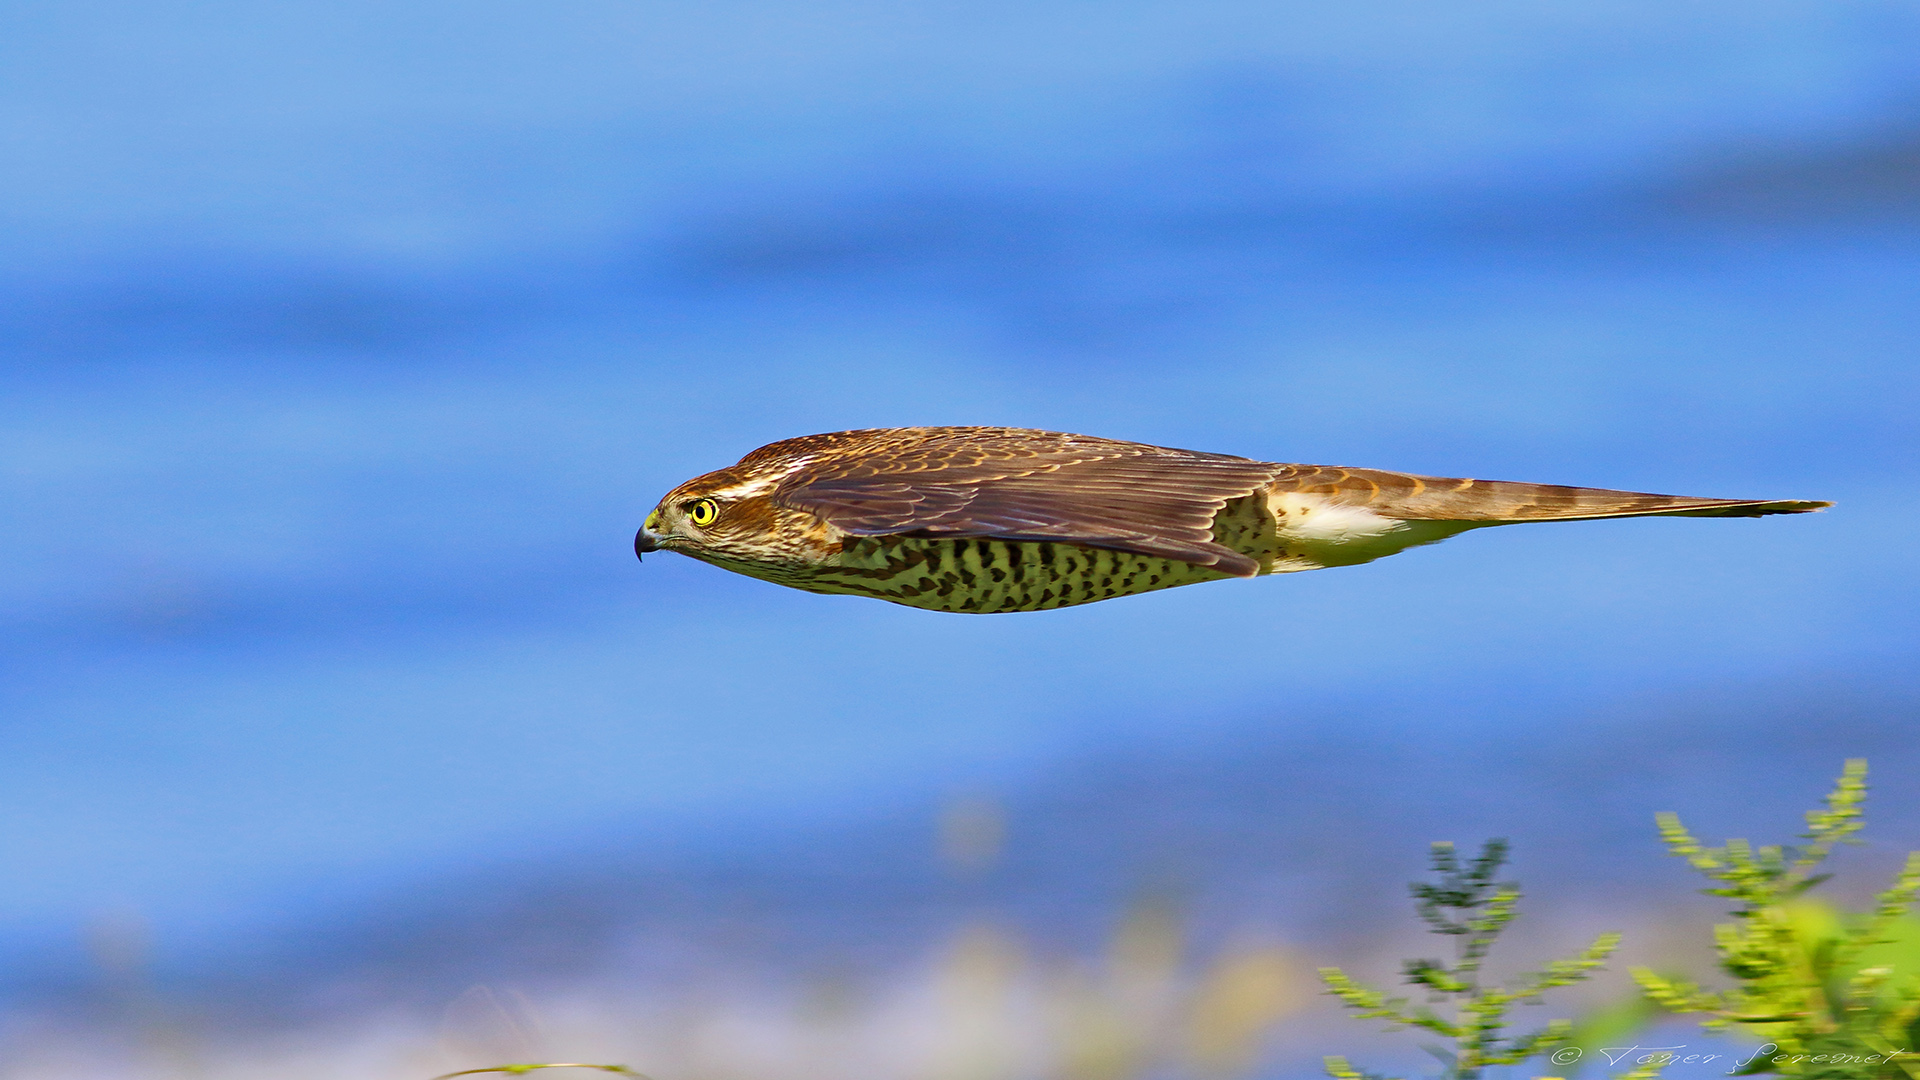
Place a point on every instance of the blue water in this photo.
(346, 345)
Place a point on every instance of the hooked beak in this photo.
(646, 539)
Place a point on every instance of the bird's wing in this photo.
(1406, 497)
(1012, 484)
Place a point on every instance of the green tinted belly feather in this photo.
(983, 576)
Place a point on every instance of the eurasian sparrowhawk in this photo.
(992, 519)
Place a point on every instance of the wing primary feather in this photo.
(1020, 485)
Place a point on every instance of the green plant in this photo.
(1828, 995)
(1467, 903)
(522, 1070)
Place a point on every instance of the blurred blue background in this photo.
(345, 345)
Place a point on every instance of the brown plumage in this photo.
(984, 519)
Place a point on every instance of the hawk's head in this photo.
(731, 515)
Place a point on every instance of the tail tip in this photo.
(1782, 506)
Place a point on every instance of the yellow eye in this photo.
(702, 512)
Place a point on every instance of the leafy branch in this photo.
(1806, 984)
(1468, 903)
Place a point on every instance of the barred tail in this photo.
(1407, 497)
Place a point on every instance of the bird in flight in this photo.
(994, 519)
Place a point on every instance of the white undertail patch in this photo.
(1332, 534)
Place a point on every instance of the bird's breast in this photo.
(983, 575)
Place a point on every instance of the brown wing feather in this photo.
(1018, 484)
(1432, 498)
(1015, 484)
